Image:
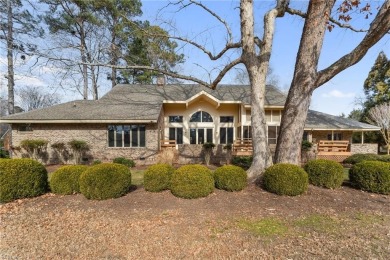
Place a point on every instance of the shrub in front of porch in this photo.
(105, 181)
(285, 179)
(65, 180)
(21, 178)
(230, 178)
(244, 162)
(325, 173)
(157, 177)
(192, 181)
(371, 176)
(127, 162)
(359, 157)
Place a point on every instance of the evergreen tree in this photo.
(377, 84)
(16, 23)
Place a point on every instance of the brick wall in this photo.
(96, 137)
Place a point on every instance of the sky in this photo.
(337, 96)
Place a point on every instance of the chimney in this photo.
(160, 80)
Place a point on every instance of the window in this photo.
(273, 115)
(176, 133)
(247, 132)
(175, 119)
(201, 116)
(126, 136)
(201, 135)
(272, 134)
(226, 119)
(226, 135)
(25, 128)
(336, 136)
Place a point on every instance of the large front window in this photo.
(201, 135)
(126, 136)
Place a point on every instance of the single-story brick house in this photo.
(135, 121)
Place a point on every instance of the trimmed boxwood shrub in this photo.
(192, 181)
(285, 179)
(359, 157)
(230, 178)
(127, 162)
(325, 173)
(371, 176)
(65, 180)
(21, 178)
(157, 177)
(244, 162)
(105, 181)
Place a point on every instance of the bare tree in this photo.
(33, 98)
(306, 76)
(380, 116)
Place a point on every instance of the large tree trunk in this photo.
(307, 79)
(10, 43)
(114, 56)
(288, 148)
(257, 67)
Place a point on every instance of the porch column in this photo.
(362, 137)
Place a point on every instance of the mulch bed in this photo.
(146, 225)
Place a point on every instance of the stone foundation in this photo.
(364, 148)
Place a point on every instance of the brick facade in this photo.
(96, 137)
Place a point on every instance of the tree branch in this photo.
(211, 85)
(341, 25)
(229, 31)
(378, 28)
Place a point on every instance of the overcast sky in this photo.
(335, 97)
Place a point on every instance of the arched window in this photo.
(201, 116)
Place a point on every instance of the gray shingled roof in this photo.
(128, 103)
(321, 121)
(139, 102)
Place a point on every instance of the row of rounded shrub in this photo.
(359, 157)
(193, 181)
(25, 178)
(292, 180)
(101, 181)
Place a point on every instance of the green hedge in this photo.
(157, 177)
(230, 178)
(285, 179)
(244, 162)
(359, 157)
(192, 181)
(65, 180)
(105, 181)
(21, 178)
(124, 161)
(371, 176)
(325, 173)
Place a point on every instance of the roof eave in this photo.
(79, 121)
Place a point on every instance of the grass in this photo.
(266, 227)
(346, 175)
(311, 223)
(137, 177)
(318, 223)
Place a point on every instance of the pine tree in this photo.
(377, 84)
(16, 23)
